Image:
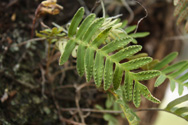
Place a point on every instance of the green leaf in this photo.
(89, 62)
(115, 45)
(117, 77)
(183, 78)
(130, 29)
(180, 89)
(160, 80)
(166, 60)
(85, 25)
(175, 67)
(67, 52)
(136, 63)
(92, 29)
(139, 35)
(98, 69)
(128, 87)
(146, 75)
(181, 110)
(75, 22)
(101, 38)
(172, 84)
(179, 72)
(136, 95)
(108, 74)
(126, 52)
(80, 59)
(176, 102)
(146, 93)
(124, 23)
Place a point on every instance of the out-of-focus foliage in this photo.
(181, 11)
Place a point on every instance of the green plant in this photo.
(104, 51)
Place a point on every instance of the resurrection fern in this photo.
(103, 51)
(97, 60)
(173, 72)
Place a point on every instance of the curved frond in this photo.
(103, 61)
(176, 110)
(173, 73)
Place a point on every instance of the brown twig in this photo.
(77, 99)
(63, 70)
(43, 81)
(28, 41)
(92, 110)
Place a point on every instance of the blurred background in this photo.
(34, 89)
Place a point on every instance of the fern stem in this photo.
(103, 9)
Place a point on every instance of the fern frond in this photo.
(181, 112)
(75, 22)
(145, 75)
(172, 72)
(166, 60)
(127, 88)
(98, 62)
(136, 95)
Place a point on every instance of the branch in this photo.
(92, 110)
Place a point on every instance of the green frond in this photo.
(75, 22)
(89, 62)
(174, 67)
(98, 69)
(181, 110)
(85, 25)
(128, 87)
(67, 52)
(97, 59)
(172, 73)
(130, 29)
(160, 80)
(117, 44)
(176, 110)
(145, 75)
(172, 84)
(180, 89)
(136, 95)
(137, 63)
(177, 101)
(101, 38)
(92, 30)
(80, 59)
(126, 52)
(179, 71)
(146, 93)
(117, 77)
(139, 35)
(183, 78)
(166, 60)
(108, 74)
